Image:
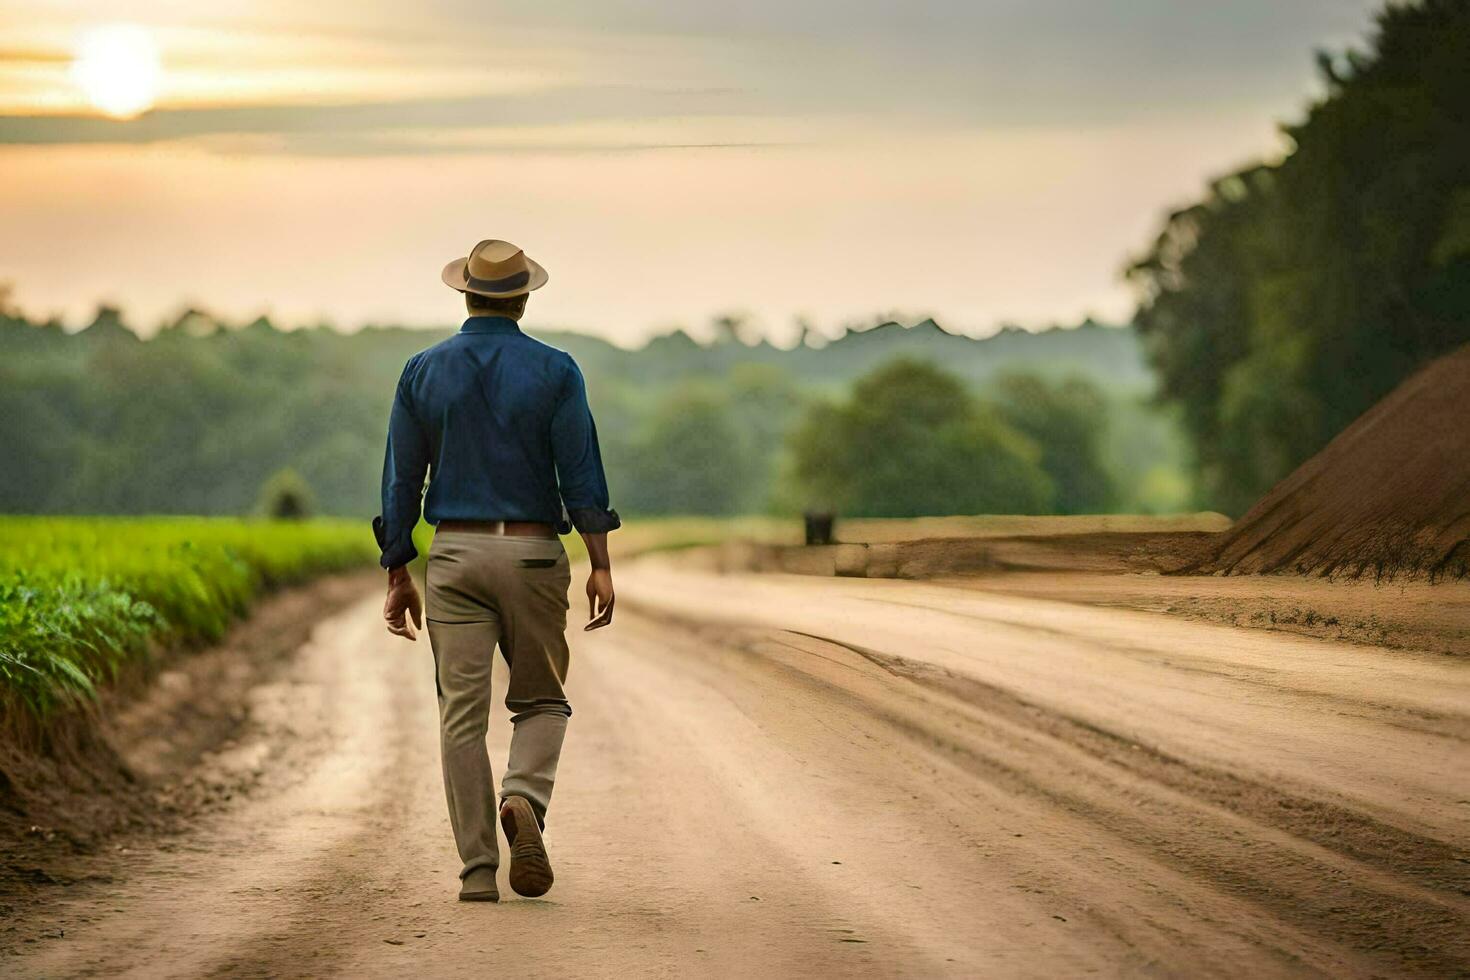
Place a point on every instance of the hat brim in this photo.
(456, 276)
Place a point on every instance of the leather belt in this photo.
(509, 529)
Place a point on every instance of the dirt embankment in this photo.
(1132, 567)
(155, 749)
(1389, 496)
(937, 548)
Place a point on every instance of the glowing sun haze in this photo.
(117, 67)
(983, 161)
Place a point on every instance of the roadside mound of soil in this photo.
(1389, 496)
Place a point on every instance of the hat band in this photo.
(498, 285)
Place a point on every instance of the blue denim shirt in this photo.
(501, 422)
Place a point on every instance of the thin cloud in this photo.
(549, 107)
(33, 56)
(408, 145)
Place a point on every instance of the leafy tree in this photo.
(1296, 295)
(764, 404)
(912, 441)
(692, 457)
(1068, 420)
(1149, 456)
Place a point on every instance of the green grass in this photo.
(82, 598)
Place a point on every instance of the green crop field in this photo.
(80, 598)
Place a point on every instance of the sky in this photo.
(830, 161)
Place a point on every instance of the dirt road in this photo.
(795, 776)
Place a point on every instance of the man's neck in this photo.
(490, 323)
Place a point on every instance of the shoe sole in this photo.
(479, 896)
(530, 868)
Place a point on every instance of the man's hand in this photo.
(599, 598)
(402, 604)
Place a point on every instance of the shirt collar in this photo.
(490, 324)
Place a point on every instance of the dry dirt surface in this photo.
(785, 775)
(1402, 613)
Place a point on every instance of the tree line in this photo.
(205, 418)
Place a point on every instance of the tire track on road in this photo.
(1384, 895)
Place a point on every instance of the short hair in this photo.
(511, 306)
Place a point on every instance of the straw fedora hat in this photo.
(496, 269)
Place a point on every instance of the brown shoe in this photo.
(530, 868)
(479, 886)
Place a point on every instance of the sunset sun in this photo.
(117, 68)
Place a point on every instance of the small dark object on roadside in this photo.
(819, 527)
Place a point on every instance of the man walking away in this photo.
(500, 424)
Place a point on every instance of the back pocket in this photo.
(538, 562)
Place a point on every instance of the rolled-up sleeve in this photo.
(405, 465)
(579, 473)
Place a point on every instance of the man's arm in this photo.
(599, 583)
(405, 464)
(584, 490)
(403, 604)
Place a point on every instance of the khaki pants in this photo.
(485, 590)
